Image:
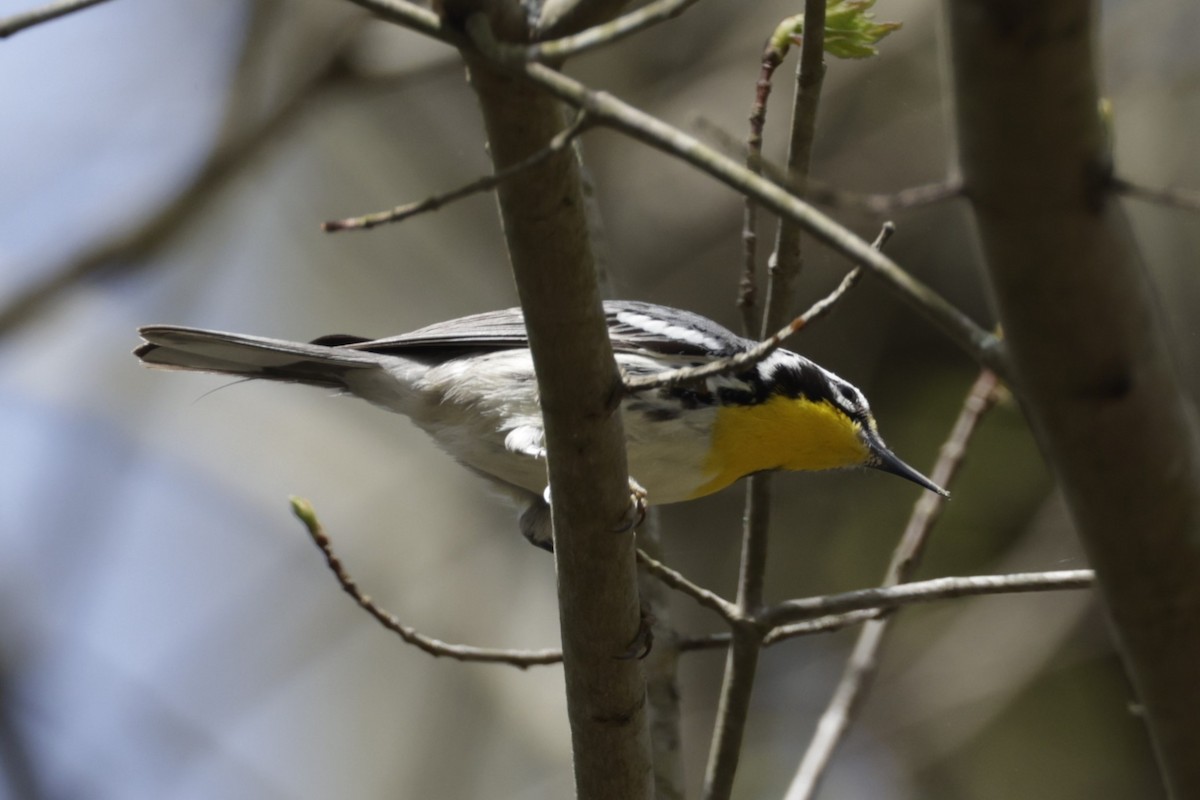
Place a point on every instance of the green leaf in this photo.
(851, 30)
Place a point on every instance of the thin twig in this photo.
(787, 260)
(866, 605)
(675, 580)
(764, 348)
(783, 269)
(737, 687)
(860, 667)
(827, 624)
(485, 183)
(825, 194)
(434, 647)
(772, 58)
(927, 591)
(598, 35)
(414, 17)
(888, 203)
(27, 19)
(1173, 197)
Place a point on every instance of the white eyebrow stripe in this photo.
(660, 327)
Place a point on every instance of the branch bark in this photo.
(1092, 363)
(543, 213)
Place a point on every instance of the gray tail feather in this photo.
(172, 347)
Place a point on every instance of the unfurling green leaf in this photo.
(851, 30)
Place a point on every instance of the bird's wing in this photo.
(632, 327)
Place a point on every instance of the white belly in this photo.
(470, 408)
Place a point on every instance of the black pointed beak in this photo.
(885, 460)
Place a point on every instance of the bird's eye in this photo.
(849, 394)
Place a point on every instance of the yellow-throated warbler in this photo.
(469, 383)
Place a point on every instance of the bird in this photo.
(469, 383)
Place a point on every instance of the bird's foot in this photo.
(643, 640)
(635, 513)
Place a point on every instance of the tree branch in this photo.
(788, 259)
(564, 17)
(597, 36)
(546, 229)
(485, 183)
(820, 193)
(1169, 196)
(610, 111)
(1095, 368)
(887, 597)
(675, 580)
(864, 605)
(434, 647)
(773, 54)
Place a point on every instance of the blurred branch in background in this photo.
(246, 134)
(19, 22)
(1169, 196)
(18, 764)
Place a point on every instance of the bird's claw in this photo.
(635, 513)
(643, 640)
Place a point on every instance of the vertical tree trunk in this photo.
(545, 226)
(1089, 354)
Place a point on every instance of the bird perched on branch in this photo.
(469, 383)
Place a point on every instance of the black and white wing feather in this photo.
(652, 337)
(632, 327)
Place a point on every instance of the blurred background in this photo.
(166, 628)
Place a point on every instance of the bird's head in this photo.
(806, 418)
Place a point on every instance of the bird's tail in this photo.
(321, 363)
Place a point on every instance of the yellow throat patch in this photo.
(781, 433)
